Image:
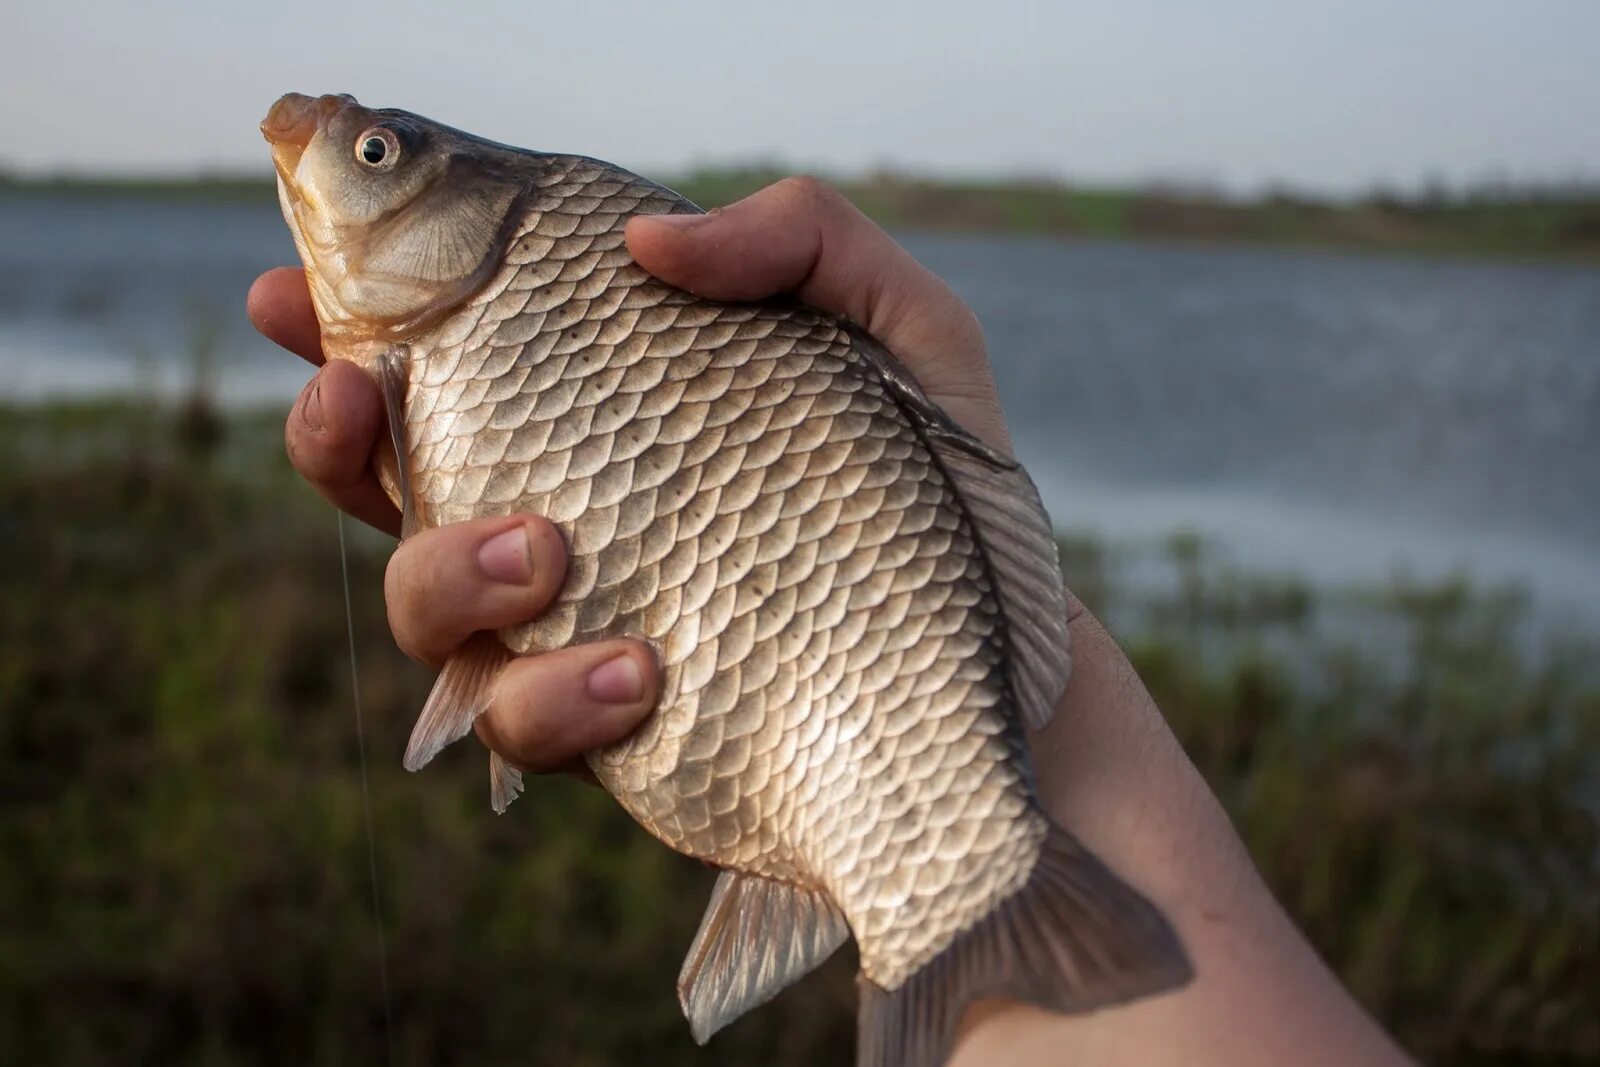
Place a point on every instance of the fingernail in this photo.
(506, 557)
(311, 406)
(616, 681)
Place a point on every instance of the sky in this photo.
(1331, 97)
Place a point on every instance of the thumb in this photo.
(800, 236)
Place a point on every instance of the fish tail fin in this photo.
(1074, 938)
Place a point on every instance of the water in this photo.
(1332, 414)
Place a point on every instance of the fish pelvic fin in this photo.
(459, 696)
(505, 783)
(757, 937)
(1074, 938)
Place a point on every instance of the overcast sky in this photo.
(1334, 96)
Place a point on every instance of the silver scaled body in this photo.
(739, 488)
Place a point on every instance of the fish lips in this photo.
(294, 120)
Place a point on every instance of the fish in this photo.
(857, 605)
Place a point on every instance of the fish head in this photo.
(398, 219)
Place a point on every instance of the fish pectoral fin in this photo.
(1073, 939)
(392, 383)
(758, 936)
(459, 696)
(505, 783)
(1015, 534)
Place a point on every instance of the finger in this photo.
(549, 709)
(279, 305)
(801, 236)
(447, 583)
(331, 433)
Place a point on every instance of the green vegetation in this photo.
(185, 873)
(1559, 223)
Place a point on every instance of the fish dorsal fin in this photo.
(1021, 549)
(1014, 532)
(758, 936)
(460, 694)
(392, 382)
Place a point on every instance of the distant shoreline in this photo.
(1557, 225)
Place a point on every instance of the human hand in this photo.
(797, 236)
(442, 585)
(802, 237)
(1108, 767)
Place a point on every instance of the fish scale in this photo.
(677, 775)
(855, 605)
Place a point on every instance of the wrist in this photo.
(1110, 770)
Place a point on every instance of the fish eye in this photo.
(378, 148)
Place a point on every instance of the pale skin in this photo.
(1108, 766)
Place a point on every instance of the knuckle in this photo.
(403, 599)
(294, 437)
(515, 717)
(308, 458)
(969, 357)
(810, 193)
(314, 456)
(291, 442)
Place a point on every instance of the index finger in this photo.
(280, 308)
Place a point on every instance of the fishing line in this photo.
(366, 801)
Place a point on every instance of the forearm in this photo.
(1112, 772)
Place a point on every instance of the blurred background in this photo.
(1295, 309)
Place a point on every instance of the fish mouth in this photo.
(291, 125)
(293, 121)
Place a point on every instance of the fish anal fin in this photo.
(1074, 938)
(393, 380)
(505, 783)
(460, 694)
(758, 936)
(1014, 531)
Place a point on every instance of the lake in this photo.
(1333, 414)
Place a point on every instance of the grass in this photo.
(185, 870)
